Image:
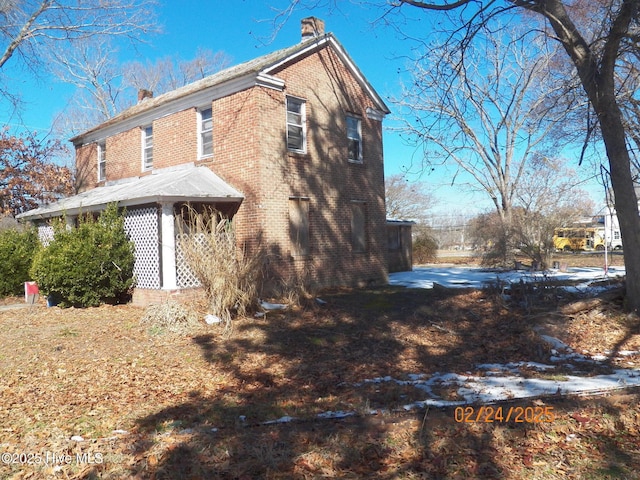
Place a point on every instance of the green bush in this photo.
(87, 265)
(17, 248)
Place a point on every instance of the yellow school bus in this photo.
(574, 239)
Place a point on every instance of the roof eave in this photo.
(151, 109)
(133, 202)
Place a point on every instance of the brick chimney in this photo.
(143, 94)
(311, 27)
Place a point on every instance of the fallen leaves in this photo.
(191, 406)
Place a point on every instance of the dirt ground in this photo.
(94, 393)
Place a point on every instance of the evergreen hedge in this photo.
(87, 265)
(17, 248)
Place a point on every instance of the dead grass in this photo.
(152, 405)
(170, 316)
(226, 273)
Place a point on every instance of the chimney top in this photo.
(143, 94)
(311, 27)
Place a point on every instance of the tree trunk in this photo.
(626, 202)
(597, 77)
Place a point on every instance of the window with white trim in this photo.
(354, 138)
(147, 148)
(102, 161)
(205, 127)
(296, 125)
(299, 225)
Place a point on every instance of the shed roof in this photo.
(185, 184)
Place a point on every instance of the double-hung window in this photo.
(206, 132)
(147, 148)
(354, 138)
(296, 125)
(102, 161)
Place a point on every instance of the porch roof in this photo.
(192, 184)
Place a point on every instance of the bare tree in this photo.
(549, 197)
(32, 27)
(32, 30)
(407, 200)
(169, 73)
(594, 45)
(483, 112)
(106, 87)
(93, 69)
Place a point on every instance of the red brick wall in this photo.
(124, 154)
(175, 139)
(325, 175)
(146, 296)
(86, 167)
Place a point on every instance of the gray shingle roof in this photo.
(187, 184)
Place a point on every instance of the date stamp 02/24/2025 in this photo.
(499, 414)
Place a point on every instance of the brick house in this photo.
(288, 144)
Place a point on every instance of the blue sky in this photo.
(242, 29)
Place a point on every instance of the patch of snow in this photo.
(556, 343)
(456, 277)
(272, 306)
(285, 419)
(337, 415)
(513, 366)
(77, 438)
(212, 319)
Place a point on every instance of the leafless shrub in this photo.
(228, 274)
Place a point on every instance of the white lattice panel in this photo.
(141, 225)
(45, 234)
(184, 275)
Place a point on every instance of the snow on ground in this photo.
(425, 277)
(499, 382)
(502, 382)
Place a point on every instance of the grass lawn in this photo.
(93, 393)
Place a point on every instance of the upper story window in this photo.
(102, 161)
(205, 127)
(354, 137)
(147, 148)
(296, 125)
